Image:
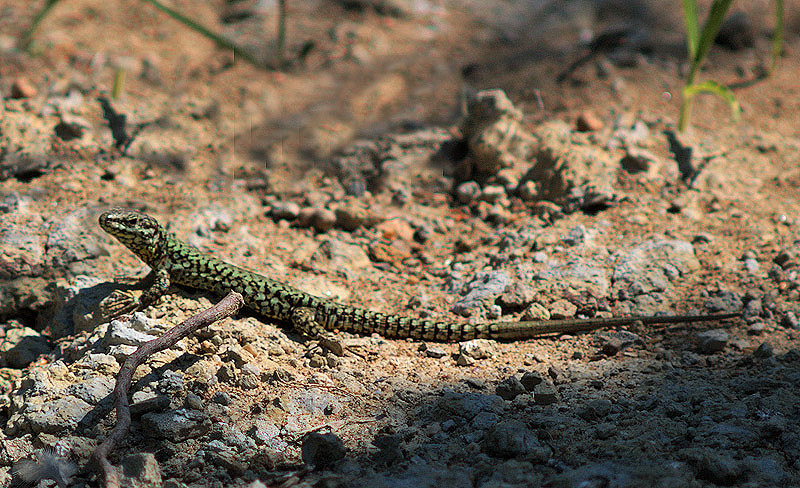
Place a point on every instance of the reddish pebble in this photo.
(22, 88)
(588, 122)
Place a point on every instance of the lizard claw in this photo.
(119, 302)
(332, 344)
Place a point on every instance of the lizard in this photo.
(173, 261)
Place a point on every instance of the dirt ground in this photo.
(425, 158)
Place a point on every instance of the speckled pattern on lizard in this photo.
(173, 261)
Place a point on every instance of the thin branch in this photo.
(225, 308)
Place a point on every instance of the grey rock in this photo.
(545, 393)
(466, 405)
(170, 382)
(226, 460)
(789, 320)
(176, 425)
(77, 304)
(751, 266)
(510, 388)
(485, 420)
(193, 401)
(322, 450)
(595, 409)
(23, 293)
(340, 257)
(267, 432)
(284, 210)
(320, 219)
(123, 333)
(577, 274)
(467, 191)
(575, 237)
(56, 415)
(478, 348)
(766, 471)
(92, 390)
(724, 301)
(462, 360)
(389, 449)
(756, 328)
(481, 293)
(753, 308)
(492, 193)
(435, 352)
(788, 257)
(605, 430)
(650, 266)
(712, 341)
(69, 242)
(611, 346)
(221, 398)
(764, 351)
(22, 252)
(21, 346)
(508, 439)
(155, 403)
(563, 166)
(140, 471)
(517, 296)
(717, 467)
(536, 312)
(530, 379)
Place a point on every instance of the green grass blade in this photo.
(714, 88)
(715, 17)
(777, 36)
(27, 36)
(692, 26)
(219, 40)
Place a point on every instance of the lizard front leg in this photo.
(157, 289)
(304, 320)
(122, 301)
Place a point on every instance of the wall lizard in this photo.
(175, 262)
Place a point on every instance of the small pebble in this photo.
(790, 321)
(22, 88)
(435, 352)
(612, 346)
(588, 122)
(285, 210)
(463, 360)
(323, 220)
(221, 398)
(493, 193)
(467, 191)
(528, 191)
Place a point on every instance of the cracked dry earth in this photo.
(505, 212)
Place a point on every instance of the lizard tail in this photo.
(529, 329)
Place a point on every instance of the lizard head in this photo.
(140, 233)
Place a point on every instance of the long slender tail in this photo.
(528, 329)
(360, 321)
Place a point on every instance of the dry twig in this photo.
(225, 308)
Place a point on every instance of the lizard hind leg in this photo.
(304, 320)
